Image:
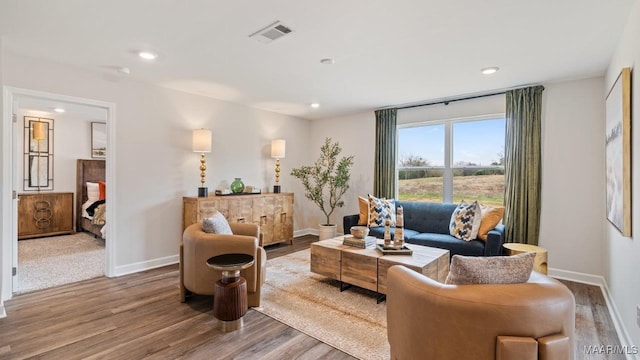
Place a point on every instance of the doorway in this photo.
(17, 101)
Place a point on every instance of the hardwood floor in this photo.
(139, 316)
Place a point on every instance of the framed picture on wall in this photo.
(98, 140)
(618, 153)
(38, 154)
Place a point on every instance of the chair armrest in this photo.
(247, 229)
(495, 239)
(348, 221)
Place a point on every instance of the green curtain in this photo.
(384, 178)
(523, 165)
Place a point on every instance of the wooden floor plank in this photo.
(140, 316)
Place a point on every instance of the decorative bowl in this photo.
(359, 232)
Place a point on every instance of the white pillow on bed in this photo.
(93, 191)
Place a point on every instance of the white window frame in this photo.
(447, 168)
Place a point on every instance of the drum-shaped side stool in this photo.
(230, 292)
(539, 263)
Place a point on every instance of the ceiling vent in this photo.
(270, 33)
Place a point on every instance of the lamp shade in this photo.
(39, 130)
(278, 148)
(202, 141)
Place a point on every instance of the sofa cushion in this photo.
(448, 242)
(491, 216)
(378, 232)
(381, 211)
(514, 269)
(427, 217)
(465, 221)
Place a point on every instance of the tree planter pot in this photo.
(327, 231)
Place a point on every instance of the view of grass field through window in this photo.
(476, 165)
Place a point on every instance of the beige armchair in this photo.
(430, 320)
(197, 246)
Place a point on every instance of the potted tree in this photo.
(325, 182)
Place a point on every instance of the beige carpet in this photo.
(350, 320)
(58, 260)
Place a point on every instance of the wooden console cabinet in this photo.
(272, 212)
(45, 214)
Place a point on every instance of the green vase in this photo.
(237, 186)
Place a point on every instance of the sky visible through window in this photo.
(478, 142)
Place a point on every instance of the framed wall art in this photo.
(38, 154)
(98, 140)
(618, 153)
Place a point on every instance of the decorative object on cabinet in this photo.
(325, 182)
(278, 150)
(202, 144)
(45, 214)
(237, 186)
(38, 154)
(272, 212)
(98, 140)
(618, 153)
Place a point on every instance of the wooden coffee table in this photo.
(367, 268)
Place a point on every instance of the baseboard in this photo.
(146, 265)
(621, 330)
(3, 313)
(308, 231)
(574, 276)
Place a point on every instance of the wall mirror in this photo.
(98, 140)
(38, 154)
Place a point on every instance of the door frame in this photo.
(9, 230)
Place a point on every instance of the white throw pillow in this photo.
(216, 224)
(465, 221)
(93, 191)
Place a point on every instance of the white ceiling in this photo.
(386, 52)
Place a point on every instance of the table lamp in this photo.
(202, 144)
(278, 147)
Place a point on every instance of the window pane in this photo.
(420, 185)
(421, 146)
(478, 143)
(419, 150)
(486, 186)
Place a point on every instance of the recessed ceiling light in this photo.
(58, 110)
(147, 55)
(315, 105)
(490, 70)
(327, 61)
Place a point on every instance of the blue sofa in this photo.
(428, 224)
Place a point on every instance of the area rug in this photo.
(350, 321)
(58, 260)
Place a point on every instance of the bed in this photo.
(90, 171)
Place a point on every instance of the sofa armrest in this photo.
(348, 221)
(495, 239)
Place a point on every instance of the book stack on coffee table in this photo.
(350, 240)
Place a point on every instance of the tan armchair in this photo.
(197, 246)
(430, 320)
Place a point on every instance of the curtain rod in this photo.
(446, 102)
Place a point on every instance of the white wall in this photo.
(572, 215)
(4, 252)
(155, 166)
(622, 254)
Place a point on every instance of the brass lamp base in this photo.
(203, 192)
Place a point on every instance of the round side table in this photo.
(539, 263)
(230, 293)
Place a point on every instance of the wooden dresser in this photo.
(273, 212)
(45, 214)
